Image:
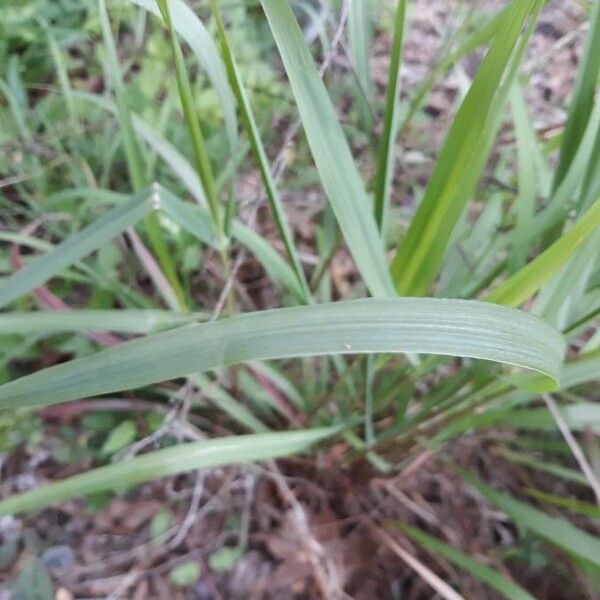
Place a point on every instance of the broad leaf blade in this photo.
(409, 325)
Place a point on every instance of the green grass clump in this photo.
(477, 309)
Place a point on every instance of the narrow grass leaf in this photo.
(583, 98)
(467, 43)
(462, 157)
(544, 466)
(133, 154)
(63, 79)
(582, 370)
(578, 417)
(195, 34)
(570, 504)
(39, 270)
(359, 44)
(240, 449)
(249, 122)
(202, 159)
(528, 189)
(481, 572)
(142, 321)
(590, 189)
(564, 199)
(228, 404)
(340, 177)
(196, 220)
(385, 164)
(423, 325)
(555, 531)
(526, 282)
(134, 157)
(558, 299)
(171, 155)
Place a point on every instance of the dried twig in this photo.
(426, 574)
(325, 572)
(580, 457)
(192, 513)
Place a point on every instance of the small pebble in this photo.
(58, 557)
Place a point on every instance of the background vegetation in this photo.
(360, 238)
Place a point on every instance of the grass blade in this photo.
(463, 156)
(133, 155)
(545, 466)
(63, 79)
(196, 220)
(583, 99)
(249, 122)
(202, 159)
(240, 449)
(483, 573)
(528, 190)
(590, 190)
(359, 42)
(385, 165)
(561, 202)
(522, 285)
(238, 411)
(171, 155)
(582, 370)
(341, 180)
(430, 326)
(468, 42)
(555, 531)
(570, 504)
(39, 270)
(578, 417)
(125, 321)
(195, 34)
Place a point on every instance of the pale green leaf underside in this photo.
(170, 461)
(44, 322)
(403, 325)
(340, 177)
